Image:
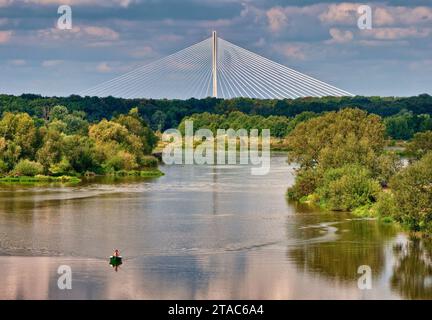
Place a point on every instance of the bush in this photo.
(123, 160)
(347, 188)
(336, 139)
(386, 205)
(412, 188)
(61, 168)
(420, 144)
(28, 168)
(387, 165)
(3, 167)
(306, 182)
(149, 162)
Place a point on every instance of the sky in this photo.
(316, 37)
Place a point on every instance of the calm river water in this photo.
(199, 232)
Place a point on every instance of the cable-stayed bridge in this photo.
(214, 67)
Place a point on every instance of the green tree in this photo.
(58, 113)
(158, 119)
(27, 168)
(400, 126)
(302, 117)
(117, 147)
(137, 127)
(51, 151)
(349, 136)
(348, 188)
(19, 128)
(420, 144)
(412, 189)
(79, 152)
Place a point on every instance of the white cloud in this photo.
(291, 51)
(277, 18)
(212, 24)
(5, 36)
(103, 67)
(340, 36)
(51, 63)
(79, 32)
(399, 33)
(280, 17)
(382, 43)
(346, 14)
(17, 62)
(260, 43)
(390, 16)
(142, 52)
(421, 65)
(343, 13)
(122, 3)
(383, 16)
(5, 3)
(169, 38)
(100, 32)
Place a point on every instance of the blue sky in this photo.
(319, 38)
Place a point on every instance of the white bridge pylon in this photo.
(218, 68)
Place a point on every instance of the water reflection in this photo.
(412, 274)
(197, 233)
(353, 243)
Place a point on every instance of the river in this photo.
(199, 232)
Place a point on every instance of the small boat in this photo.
(115, 260)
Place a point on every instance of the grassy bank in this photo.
(39, 179)
(42, 179)
(149, 173)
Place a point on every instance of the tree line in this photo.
(66, 143)
(280, 126)
(405, 116)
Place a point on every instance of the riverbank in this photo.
(346, 164)
(276, 145)
(41, 179)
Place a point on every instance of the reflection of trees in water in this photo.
(412, 274)
(360, 242)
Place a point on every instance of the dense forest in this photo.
(403, 116)
(69, 145)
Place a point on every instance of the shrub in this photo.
(123, 160)
(387, 165)
(149, 162)
(386, 205)
(28, 168)
(61, 168)
(3, 167)
(420, 144)
(336, 139)
(412, 188)
(306, 182)
(347, 188)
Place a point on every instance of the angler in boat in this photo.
(116, 259)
